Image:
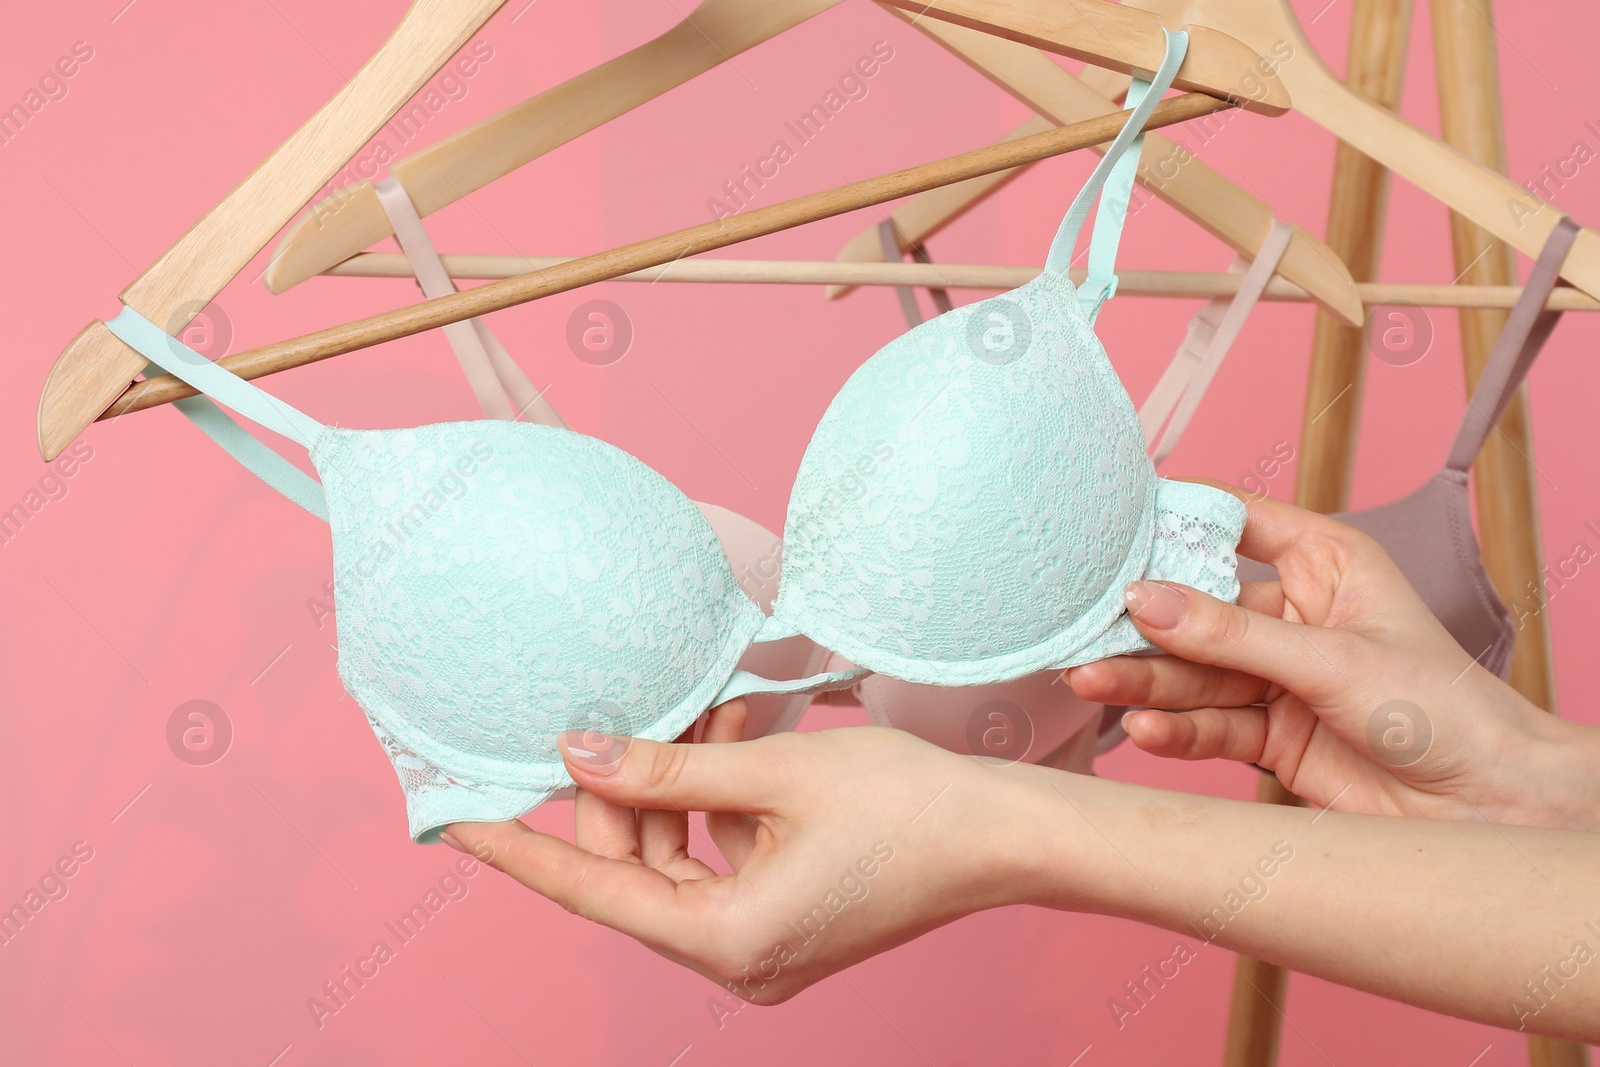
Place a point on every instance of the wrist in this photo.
(1565, 783)
(1062, 857)
(1521, 765)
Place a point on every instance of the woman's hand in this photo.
(860, 839)
(1340, 681)
(844, 843)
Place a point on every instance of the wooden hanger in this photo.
(339, 226)
(1218, 205)
(1182, 284)
(1479, 193)
(1119, 38)
(1100, 32)
(96, 366)
(665, 248)
(1472, 190)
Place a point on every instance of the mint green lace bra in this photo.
(967, 512)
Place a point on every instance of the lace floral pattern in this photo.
(1016, 502)
(500, 582)
(1197, 531)
(434, 798)
(968, 512)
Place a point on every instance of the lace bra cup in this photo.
(977, 494)
(1033, 717)
(497, 582)
(503, 391)
(560, 542)
(1429, 533)
(1020, 489)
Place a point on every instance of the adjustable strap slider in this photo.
(1096, 291)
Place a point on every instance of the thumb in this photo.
(735, 776)
(1309, 661)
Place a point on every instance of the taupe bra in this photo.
(1429, 533)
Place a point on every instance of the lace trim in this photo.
(1197, 537)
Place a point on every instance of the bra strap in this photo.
(1211, 334)
(890, 241)
(1525, 332)
(1115, 173)
(184, 363)
(491, 372)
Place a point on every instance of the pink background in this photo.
(219, 898)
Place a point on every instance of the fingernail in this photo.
(447, 838)
(596, 752)
(1156, 604)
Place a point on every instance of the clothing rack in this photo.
(97, 368)
(1507, 505)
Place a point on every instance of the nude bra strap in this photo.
(890, 241)
(1525, 332)
(1172, 403)
(491, 372)
(184, 363)
(1115, 173)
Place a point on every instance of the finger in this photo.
(604, 828)
(1166, 682)
(614, 830)
(725, 722)
(733, 832)
(1312, 661)
(640, 902)
(633, 772)
(1274, 528)
(1265, 597)
(664, 834)
(664, 845)
(1238, 734)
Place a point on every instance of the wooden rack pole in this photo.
(1180, 284)
(1376, 67)
(1507, 495)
